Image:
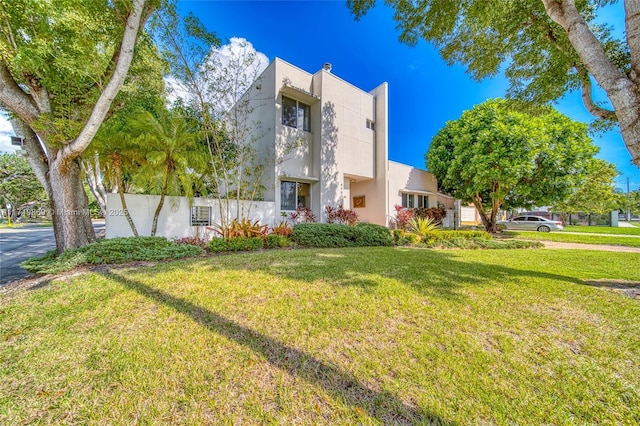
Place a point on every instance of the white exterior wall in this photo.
(375, 190)
(404, 178)
(175, 217)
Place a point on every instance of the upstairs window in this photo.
(371, 125)
(296, 114)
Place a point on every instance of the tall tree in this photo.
(216, 82)
(62, 64)
(497, 157)
(172, 156)
(596, 194)
(549, 47)
(18, 184)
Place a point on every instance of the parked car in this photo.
(530, 223)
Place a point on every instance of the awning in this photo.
(309, 179)
(299, 94)
(416, 191)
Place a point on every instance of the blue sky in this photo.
(423, 91)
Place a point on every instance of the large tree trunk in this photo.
(156, 215)
(94, 180)
(488, 219)
(117, 164)
(622, 90)
(70, 207)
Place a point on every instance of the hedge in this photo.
(336, 235)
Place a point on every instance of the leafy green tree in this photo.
(596, 194)
(18, 184)
(548, 47)
(118, 154)
(498, 157)
(62, 65)
(633, 202)
(172, 155)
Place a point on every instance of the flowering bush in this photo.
(341, 216)
(303, 215)
(282, 228)
(193, 241)
(403, 217)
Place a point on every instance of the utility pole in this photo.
(628, 202)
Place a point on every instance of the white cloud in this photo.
(226, 74)
(6, 131)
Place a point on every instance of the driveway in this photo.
(19, 244)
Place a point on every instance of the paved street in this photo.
(19, 244)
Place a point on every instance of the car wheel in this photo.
(544, 228)
(501, 227)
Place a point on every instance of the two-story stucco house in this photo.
(330, 141)
(323, 142)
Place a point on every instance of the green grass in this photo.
(329, 336)
(115, 250)
(614, 240)
(603, 230)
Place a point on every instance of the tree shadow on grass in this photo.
(435, 273)
(381, 405)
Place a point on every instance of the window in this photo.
(407, 200)
(200, 216)
(414, 200)
(296, 114)
(371, 125)
(294, 195)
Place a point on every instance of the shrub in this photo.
(245, 243)
(481, 243)
(341, 216)
(275, 241)
(217, 245)
(282, 228)
(194, 241)
(241, 228)
(111, 251)
(403, 217)
(336, 235)
(435, 237)
(303, 215)
(436, 214)
(422, 225)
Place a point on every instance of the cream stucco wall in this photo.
(404, 178)
(340, 157)
(175, 217)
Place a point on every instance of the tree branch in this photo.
(36, 155)
(14, 99)
(587, 46)
(632, 27)
(101, 108)
(587, 97)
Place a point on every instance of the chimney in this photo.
(327, 67)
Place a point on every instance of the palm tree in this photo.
(173, 157)
(118, 152)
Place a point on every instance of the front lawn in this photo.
(603, 230)
(329, 336)
(614, 240)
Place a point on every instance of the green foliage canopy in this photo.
(18, 183)
(596, 194)
(499, 157)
